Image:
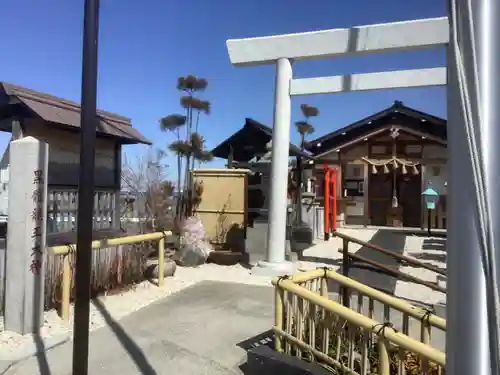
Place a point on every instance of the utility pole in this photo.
(88, 122)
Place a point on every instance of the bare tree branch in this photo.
(145, 179)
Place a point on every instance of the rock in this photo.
(193, 235)
(191, 256)
(168, 270)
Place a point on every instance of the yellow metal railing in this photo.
(66, 250)
(309, 324)
(311, 279)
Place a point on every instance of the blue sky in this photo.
(146, 45)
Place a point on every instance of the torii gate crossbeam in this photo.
(472, 333)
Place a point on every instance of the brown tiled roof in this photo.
(67, 113)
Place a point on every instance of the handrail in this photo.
(97, 244)
(397, 273)
(307, 275)
(390, 253)
(362, 321)
(396, 303)
(66, 250)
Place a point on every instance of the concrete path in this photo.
(203, 329)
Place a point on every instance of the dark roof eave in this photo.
(127, 141)
(253, 127)
(397, 106)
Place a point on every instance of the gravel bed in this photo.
(14, 346)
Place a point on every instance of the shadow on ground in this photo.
(434, 251)
(328, 261)
(371, 275)
(365, 273)
(134, 351)
(262, 359)
(195, 331)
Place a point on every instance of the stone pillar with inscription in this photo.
(26, 235)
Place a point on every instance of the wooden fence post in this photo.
(345, 271)
(161, 261)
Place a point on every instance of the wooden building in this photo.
(384, 163)
(250, 148)
(25, 112)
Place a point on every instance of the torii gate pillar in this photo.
(276, 235)
(473, 27)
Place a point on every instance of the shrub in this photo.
(113, 269)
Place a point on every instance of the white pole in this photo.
(276, 234)
(486, 14)
(469, 332)
(279, 165)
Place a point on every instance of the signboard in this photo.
(64, 167)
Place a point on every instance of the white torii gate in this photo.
(474, 174)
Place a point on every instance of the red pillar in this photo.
(327, 204)
(334, 199)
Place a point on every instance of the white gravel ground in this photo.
(14, 346)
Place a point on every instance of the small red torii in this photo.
(330, 204)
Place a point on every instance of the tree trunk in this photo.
(196, 130)
(187, 188)
(197, 121)
(189, 125)
(178, 201)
